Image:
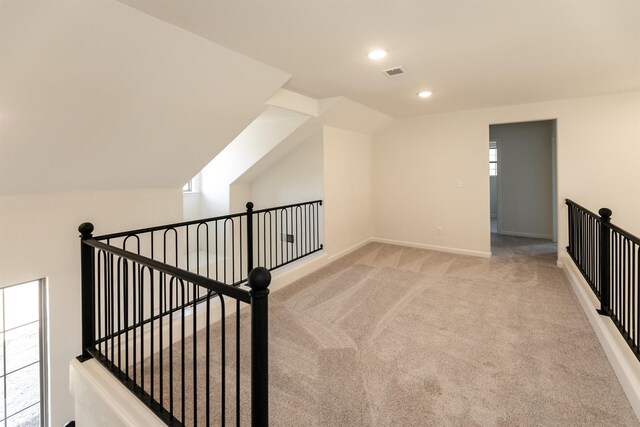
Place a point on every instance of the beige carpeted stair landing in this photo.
(395, 336)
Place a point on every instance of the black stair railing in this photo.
(608, 257)
(162, 309)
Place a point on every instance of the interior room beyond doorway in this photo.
(522, 173)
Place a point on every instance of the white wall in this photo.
(298, 177)
(417, 161)
(333, 165)
(239, 196)
(524, 178)
(347, 189)
(39, 238)
(253, 143)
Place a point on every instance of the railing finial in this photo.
(249, 206)
(605, 214)
(85, 229)
(259, 279)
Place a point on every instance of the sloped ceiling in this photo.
(469, 53)
(337, 112)
(98, 95)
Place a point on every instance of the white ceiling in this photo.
(471, 54)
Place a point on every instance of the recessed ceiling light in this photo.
(424, 94)
(377, 54)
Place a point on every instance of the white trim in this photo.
(481, 254)
(349, 250)
(531, 235)
(622, 360)
(45, 378)
(281, 278)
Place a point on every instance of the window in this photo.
(193, 186)
(22, 350)
(493, 159)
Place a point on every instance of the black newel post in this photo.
(249, 237)
(87, 276)
(259, 280)
(605, 273)
(570, 222)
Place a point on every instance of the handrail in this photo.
(144, 291)
(293, 205)
(614, 227)
(224, 247)
(164, 227)
(212, 285)
(609, 259)
(625, 233)
(571, 202)
(196, 221)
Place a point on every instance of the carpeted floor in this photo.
(396, 336)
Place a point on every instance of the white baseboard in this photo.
(285, 276)
(282, 278)
(531, 235)
(481, 254)
(622, 360)
(349, 250)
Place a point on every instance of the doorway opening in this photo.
(523, 194)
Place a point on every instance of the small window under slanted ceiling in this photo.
(493, 158)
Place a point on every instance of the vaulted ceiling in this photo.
(101, 95)
(470, 54)
(96, 95)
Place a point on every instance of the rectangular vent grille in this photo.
(396, 73)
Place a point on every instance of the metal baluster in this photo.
(249, 237)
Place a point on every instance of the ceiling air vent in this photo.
(396, 73)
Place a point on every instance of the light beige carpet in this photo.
(396, 336)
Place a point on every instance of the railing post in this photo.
(87, 285)
(605, 269)
(249, 237)
(570, 225)
(259, 280)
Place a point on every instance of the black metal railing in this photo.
(608, 257)
(224, 248)
(286, 233)
(162, 309)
